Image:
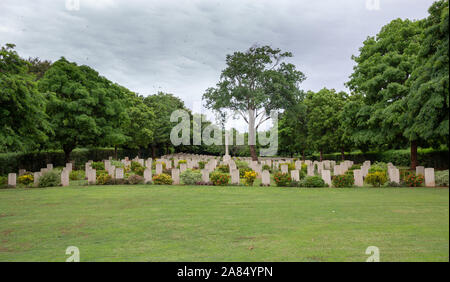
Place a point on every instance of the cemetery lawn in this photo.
(186, 223)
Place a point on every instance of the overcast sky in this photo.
(179, 46)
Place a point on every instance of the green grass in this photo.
(182, 223)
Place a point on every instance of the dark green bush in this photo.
(346, 180)
(50, 179)
(77, 175)
(98, 165)
(190, 177)
(313, 182)
(3, 181)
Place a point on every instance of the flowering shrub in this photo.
(413, 180)
(77, 175)
(190, 177)
(162, 179)
(223, 168)
(282, 179)
(250, 177)
(104, 179)
(135, 179)
(26, 179)
(376, 178)
(243, 170)
(346, 180)
(137, 168)
(219, 179)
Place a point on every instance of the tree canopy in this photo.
(253, 84)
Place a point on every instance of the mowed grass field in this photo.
(183, 223)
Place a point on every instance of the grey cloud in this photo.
(180, 46)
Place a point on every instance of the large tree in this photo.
(23, 124)
(323, 123)
(253, 84)
(380, 76)
(428, 100)
(162, 105)
(84, 107)
(292, 129)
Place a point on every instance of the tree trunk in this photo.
(67, 151)
(253, 153)
(342, 154)
(153, 151)
(321, 155)
(115, 152)
(413, 155)
(252, 134)
(303, 155)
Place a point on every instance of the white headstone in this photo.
(12, 178)
(235, 179)
(36, 176)
(205, 175)
(159, 168)
(284, 168)
(49, 166)
(420, 170)
(394, 175)
(429, 177)
(92, 176)
(69, 167)
(65, 177)
(147, 175)
(310, 170)
(358, 176)
(119, 173)
(266, 177)
(326, 176)
(295, 175)
(176, 176)
(183, 167)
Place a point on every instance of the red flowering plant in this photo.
(282, 179)
(413, 180)
(219, 179)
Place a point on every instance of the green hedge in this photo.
(436, 158)
(12, 162)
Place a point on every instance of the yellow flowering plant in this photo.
(250, 177)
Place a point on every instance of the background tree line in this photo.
(60, 105)
(399, 95)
